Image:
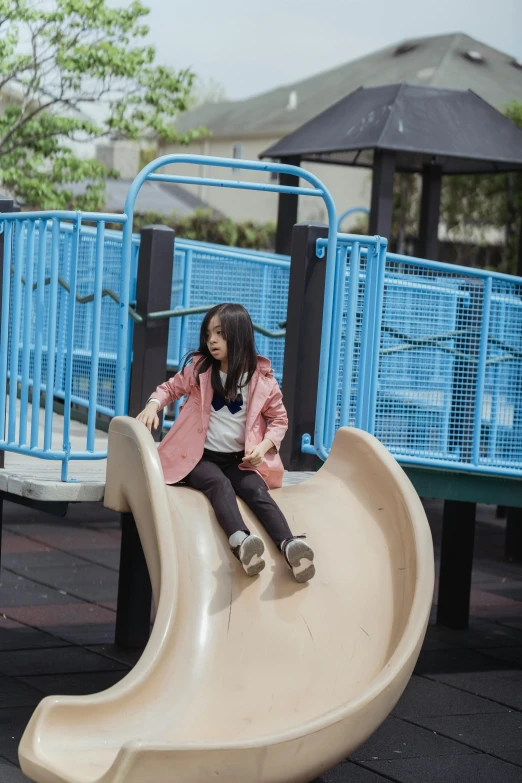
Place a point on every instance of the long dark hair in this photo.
(237, 330)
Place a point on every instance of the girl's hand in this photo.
(256, 455)
(149, 416)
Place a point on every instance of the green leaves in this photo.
(60, 60)
(472, 205)
(205, 226)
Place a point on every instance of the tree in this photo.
(474, 204)
(206, 226)
(59, 58)
(207, 91)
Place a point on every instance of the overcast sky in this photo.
(249, 47)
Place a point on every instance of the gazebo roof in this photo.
(454, 129)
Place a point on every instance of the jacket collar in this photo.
(264, 369)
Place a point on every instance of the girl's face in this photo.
(216, 343)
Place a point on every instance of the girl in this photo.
(226, 439)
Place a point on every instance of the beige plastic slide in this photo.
(252, 680)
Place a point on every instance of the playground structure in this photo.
(424, 356)
(435, 375)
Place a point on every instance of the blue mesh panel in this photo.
(435, 341)
(83, 316)
(355, 347)
(416, 363)
(226, 275)
(218, 274)
(501, 432)
(446, 385)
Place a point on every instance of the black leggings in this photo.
(220, 479)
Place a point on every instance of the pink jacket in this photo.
(182, 448)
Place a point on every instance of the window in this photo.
(474, 56)
(404, 48)
(292, 101)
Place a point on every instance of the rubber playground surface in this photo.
(460, 718)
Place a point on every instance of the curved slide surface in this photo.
(252, 679)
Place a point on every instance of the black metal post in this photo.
(457, 549)
(287, 210)
(519, 258)
(303, 341)
(134, 589)
(428, 244)
(381, 209)
(6, 205)
(150, 341)
(456, 562)
(513, 540)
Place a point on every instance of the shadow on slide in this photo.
(252, 679)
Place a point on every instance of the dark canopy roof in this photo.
(454, 129)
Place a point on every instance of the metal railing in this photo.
(351, 211)
(39, 351)
(68, 307)
(427, 357)
(204, 274)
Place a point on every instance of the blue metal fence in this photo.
(202, 274)
(426, 356)
(48, 341)
(206, 274)
(66, 333)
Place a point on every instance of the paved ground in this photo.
(459, 721)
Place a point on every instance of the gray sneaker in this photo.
(300, 558)
(250, 554)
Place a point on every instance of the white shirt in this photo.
(227, 424)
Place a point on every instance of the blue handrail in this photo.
(427, 356)
(49, 258)
(38, 335)
(318, 190)
(351, 211)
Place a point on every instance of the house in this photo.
(243, 129)
(153, 197)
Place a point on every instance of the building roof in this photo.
(455, 61)
(453, 129)
(162, 198)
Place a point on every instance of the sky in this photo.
(250, 47)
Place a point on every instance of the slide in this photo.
(252, 680)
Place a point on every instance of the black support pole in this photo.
(134, 589)
(287, 210)
(519, 254)
(456, 556)
(381, 208)
(456, 561)
(428, 244)
(303, 341)
(153, 291)
(513, 541)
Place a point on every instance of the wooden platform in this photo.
(40, 479)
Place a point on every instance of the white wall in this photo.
(349, 187)
(124, 156)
